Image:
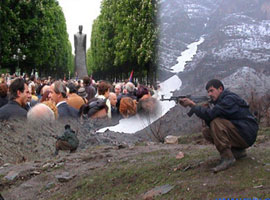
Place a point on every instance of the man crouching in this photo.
(68, 141)
(231, 126)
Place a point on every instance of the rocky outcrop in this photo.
(246, 80)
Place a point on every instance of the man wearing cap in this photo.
(58, 95)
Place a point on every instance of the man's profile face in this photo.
(107, 93)
(53, 95)
(214, 93)
(117, 90)
(24, 96)
(29, 96)
(113, 99)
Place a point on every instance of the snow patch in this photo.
(186, 56)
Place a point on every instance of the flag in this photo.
(131, 76)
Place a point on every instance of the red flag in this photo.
(131, 76)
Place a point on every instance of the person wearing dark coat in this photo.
(231, 126)
(58, 95)
(130, 87)
(115, 113)
(66, 111)
(19, 95)
(90, 90)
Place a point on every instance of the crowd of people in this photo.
(46, 99)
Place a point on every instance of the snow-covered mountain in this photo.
(236, 33)
(181, 22)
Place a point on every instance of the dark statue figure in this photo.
(80, 53)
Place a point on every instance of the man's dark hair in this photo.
(103, 87)
(17, 84)
(3, 90)
(86, 80)
(214, 83)
(142, 90)
(72, 88)
(32, 77)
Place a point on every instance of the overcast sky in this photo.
(80, 12)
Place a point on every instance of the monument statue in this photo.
(80, 54)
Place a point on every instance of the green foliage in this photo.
(38, 28)
(123, 39)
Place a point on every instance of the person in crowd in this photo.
(231, 126)
(40, 113)
(95, 109)
(45, 96)
(82, 93)
(33, 93)
(68, 141)
(44, 89)
(128, 107)
(147, 104)
(142, 91)
(130, 90)
(32, 81)
(90, 90)
(118, 89)
(2, 79)
(39, 85)
(113, 100)
(73, 99)
(58, 96)
(53, 107)
(130, 87)
(15, 108)
(103, 93)
(3, 94)
(30, 102)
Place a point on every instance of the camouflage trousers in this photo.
(225, 136)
